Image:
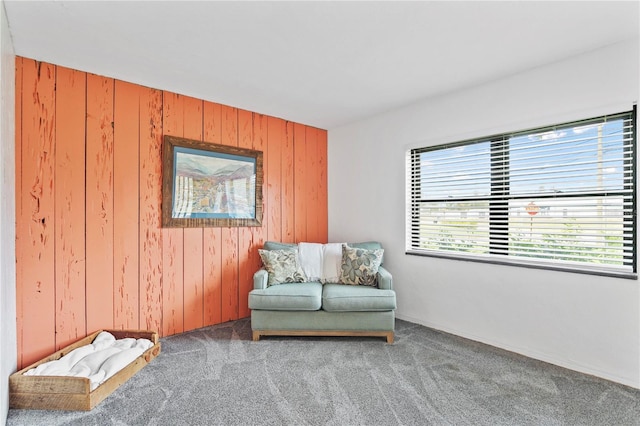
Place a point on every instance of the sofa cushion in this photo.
(360, 266)
(274, 245)
(345, 298)
(287, 297)
(283, 266)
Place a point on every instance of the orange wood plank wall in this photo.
(91, 253)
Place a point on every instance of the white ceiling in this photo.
(324, 63)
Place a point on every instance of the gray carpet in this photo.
(218, 376)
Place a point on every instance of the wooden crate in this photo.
(74, 393)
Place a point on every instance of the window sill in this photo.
(524, 264)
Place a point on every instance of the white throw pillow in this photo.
(310, 255)
(331, 261)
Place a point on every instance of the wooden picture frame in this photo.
(210, 185)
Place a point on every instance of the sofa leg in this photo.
(390, 338)
(256, 336)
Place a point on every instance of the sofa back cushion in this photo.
(274, 245)
(324, 262)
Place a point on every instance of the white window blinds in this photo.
(558, 197)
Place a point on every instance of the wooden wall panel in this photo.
(287, 189)
(259, 143)
(70, 206)
(229, 238)
(312, 183)
(173, 238)
(36, 212)
(150, 202)
(193, 246)
(321, 179)
(212, 130)
(252, 131)
(125, 205)
(301, 185)
(99, 203)
(258, 234)
(273, 171)
(247, 249)
(90, 249)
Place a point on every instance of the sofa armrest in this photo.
(385, 280)
(260, 279)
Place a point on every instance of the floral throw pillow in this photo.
(283, 266)
(360, 266)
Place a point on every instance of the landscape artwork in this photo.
(211, 185)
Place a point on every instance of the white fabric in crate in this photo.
(98, 361)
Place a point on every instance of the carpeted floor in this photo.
(218, 376)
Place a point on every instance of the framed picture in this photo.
(209, 185)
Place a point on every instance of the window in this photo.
(560, 197)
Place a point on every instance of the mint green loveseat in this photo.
(317, 309)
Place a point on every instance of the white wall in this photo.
(586, 323)
(8, 342)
